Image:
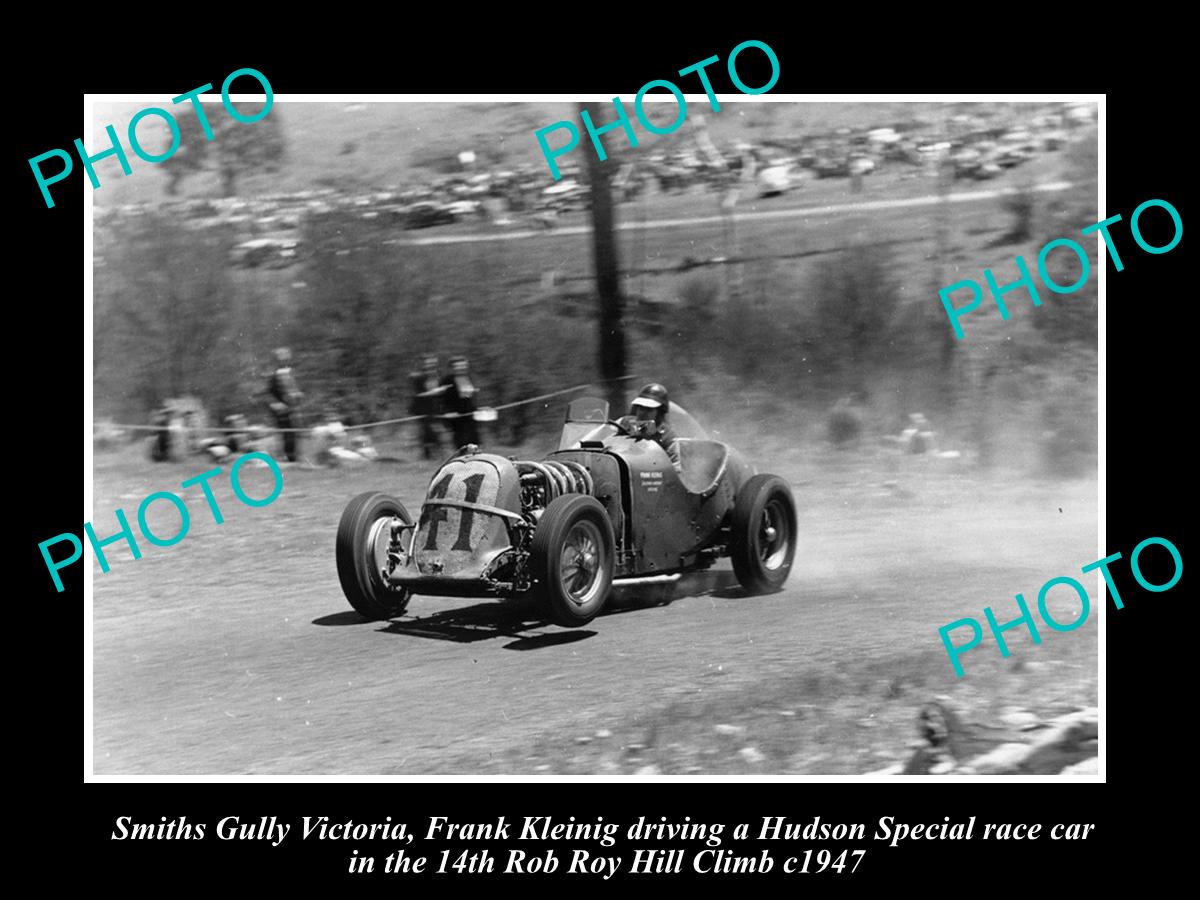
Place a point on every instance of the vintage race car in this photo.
(607, 508)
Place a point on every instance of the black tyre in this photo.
(363, 537)
(571, 559)
(763, 534)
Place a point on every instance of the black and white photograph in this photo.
(542, 437)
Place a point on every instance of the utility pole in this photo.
(608, 286)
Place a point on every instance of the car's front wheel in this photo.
(763, 534)
(571, 559)
(364, 537)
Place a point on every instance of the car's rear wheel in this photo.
(571, 559)
(364, 536)
(763, 534)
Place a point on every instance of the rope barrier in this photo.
(268, 429)
(560, 393)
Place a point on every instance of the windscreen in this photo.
(585, 415)
(587, 409)
(584, 423)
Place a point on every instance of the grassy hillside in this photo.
(753, 323)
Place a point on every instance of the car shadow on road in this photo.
(518, 618)
(348, 617)
(467, 624)
(549, 639)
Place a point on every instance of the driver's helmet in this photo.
(652, 396)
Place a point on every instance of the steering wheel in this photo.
(633, 428)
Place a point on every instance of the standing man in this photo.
(285, 397)
(160, 449)
(460, 402)
(427, 402)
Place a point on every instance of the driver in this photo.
(648, 418)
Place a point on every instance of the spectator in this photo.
(333, 446)
(285, 397)
(236, 440)
(160, 447)
(460, 403)
(229, 442)
(427, 403)
(917, 437)
(845, 422)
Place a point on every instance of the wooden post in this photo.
(608, 288)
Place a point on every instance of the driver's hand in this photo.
(640, 428)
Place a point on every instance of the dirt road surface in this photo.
(234, 652)
(751, 214)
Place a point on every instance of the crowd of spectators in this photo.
(972, 146)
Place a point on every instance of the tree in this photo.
(236, 149)
(1022, 203)
(194, 154)
(1072, 318)
(857, 297)
(162, 318)
(360, 309)
(247, 148)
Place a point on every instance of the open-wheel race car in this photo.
(608, 508)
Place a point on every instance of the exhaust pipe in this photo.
(646, 579)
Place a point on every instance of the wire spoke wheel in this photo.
(572, 557)
(581, 562)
